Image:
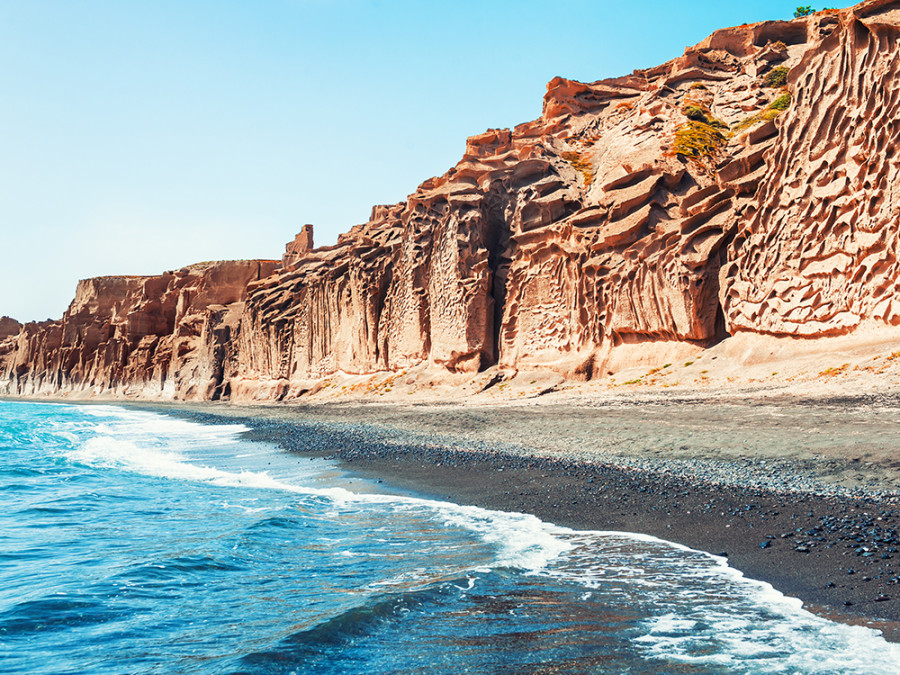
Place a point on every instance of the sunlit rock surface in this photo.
(747, 186)
(163, 335)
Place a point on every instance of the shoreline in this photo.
(803, 542)
(789, 508)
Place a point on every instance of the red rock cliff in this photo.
(9, 327)
(164, 335)
(748, 185)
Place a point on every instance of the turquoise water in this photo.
(132, 542)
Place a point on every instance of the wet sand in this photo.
(803, 494)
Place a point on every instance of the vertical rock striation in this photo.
(749, 185)
(165, 335)
(816, 252)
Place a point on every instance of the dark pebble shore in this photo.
(839, 554)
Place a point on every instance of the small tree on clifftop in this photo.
(803, 11)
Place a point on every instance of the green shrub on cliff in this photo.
(695, 112)
(773, 110)
(697, 139)
(777, 77)
(806, 10)
(781, 103)
(698, 113)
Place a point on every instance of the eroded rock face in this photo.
(9, 327)
(161, 335)
(749, 185)
(551, 243)
(816, 251)
(296, 249)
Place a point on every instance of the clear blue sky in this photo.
(140, 136)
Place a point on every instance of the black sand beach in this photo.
(835, 547)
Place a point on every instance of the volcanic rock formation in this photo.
(296, 249)
(749, 185)
(9, 327)
(165, 335)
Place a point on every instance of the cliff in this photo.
(9, 327)
(164, 335)
(747, 186)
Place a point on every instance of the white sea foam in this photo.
(718, 617)
(148, 426)
(117, 453)
(786, 639)
(153, 445)
(524, 541)
(701, 610)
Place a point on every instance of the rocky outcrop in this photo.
(745, 186)
(161, 335)
(296, 249)
(9, 327)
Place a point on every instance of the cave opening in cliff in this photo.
(786, 32)
(496, 240)
(721, 331)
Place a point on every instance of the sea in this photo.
(136, 542)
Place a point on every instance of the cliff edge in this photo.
(749, 186)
